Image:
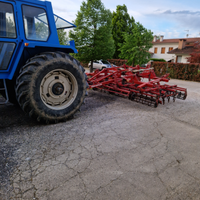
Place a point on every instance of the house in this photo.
(185, 48)
(173, 50)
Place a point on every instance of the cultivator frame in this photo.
(137, 83)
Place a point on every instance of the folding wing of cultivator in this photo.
(137, 83)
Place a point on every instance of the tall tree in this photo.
(137, 44)
(121, 22)
(93, 34)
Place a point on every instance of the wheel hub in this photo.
(58, 89)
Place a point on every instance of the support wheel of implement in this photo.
(51, 87)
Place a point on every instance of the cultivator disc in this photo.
(137, 83)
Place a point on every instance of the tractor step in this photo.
(3, 89)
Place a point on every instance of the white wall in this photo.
(184, 58)
(165, 56)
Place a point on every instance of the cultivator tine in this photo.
(163, 100)
(126, 81)
(176, 92)
(144, 99)
(181, 95)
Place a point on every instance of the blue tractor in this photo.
(37, 72)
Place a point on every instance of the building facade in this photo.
(173, 50)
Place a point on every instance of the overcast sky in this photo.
(171, 18)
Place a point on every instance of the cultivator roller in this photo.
(137, 83)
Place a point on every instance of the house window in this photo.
(179, 58)
(163, 50)
(170, 48)
(155, 50)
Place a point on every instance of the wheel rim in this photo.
(58, 89)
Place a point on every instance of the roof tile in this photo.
(185, 50)
(177, 40)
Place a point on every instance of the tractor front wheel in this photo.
(51, 87)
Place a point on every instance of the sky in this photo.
(170, 18)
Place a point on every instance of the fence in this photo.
(178, 70)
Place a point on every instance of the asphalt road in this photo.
(114, 149)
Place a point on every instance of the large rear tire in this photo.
(51, 87)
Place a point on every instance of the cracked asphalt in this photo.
(114, 149)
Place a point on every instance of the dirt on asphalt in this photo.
(113, 149)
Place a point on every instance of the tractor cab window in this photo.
(7, 21)
(35, 23)
(62, 23)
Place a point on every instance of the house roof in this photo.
(188, 49)
(177, 40)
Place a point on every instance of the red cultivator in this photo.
(137, 83)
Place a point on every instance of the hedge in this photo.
(84, 64)
(158, 59)
(183, 71)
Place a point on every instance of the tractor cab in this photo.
(25, 25)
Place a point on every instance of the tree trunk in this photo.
(91, 68)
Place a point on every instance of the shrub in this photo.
(184, 71)
(158, 59)
(160, 68)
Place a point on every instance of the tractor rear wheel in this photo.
(51, 87)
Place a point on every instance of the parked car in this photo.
(100, 64)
